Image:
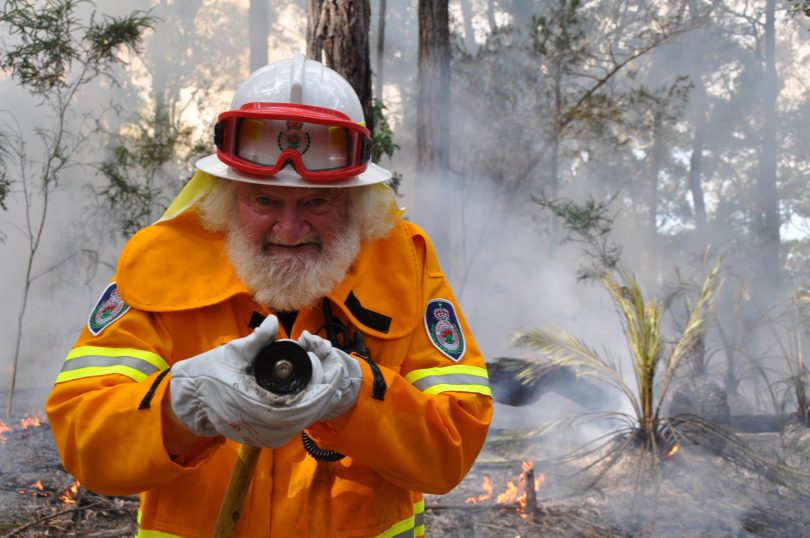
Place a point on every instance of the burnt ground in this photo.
(694, 493)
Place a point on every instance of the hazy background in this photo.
(505, 255)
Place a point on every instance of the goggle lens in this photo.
(321, 147)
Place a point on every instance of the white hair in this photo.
(372, 208)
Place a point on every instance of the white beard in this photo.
(287, 282)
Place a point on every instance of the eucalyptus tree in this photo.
(379, 64)
(190, 59)
(557, 108)
(337, 35)
(555, 88)
(433, 100)
(53, 54)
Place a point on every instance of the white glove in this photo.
(215, 393)
(340, 371)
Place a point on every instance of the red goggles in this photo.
(322, 144)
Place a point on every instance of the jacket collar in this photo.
(177, 265)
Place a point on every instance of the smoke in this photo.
(500, 251)
(503, 254)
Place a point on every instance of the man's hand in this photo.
(340, 371)
(215, 393)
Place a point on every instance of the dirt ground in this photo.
(695, 493)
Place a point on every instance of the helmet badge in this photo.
(294, 138)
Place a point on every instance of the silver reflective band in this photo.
(450, 379)
(97, 361)
(92, 361)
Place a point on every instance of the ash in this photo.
(697, 492)
(39, 498)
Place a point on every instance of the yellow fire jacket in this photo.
(175, 295)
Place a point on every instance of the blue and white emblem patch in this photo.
(109, 308)
(443, 328)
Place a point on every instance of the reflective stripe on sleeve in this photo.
(89, 361)
(456, 378)
(408, 528)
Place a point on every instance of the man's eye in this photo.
(265, 201)
(317, 202)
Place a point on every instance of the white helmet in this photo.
(297, 123)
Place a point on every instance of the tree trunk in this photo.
(696, 159)
(378, 94)
(657, 155)
(433, 107)
(433, 101)
(493, 25)
(258, 29)
(469, 33)
(768, 210)
(699, 105)
(337, 35)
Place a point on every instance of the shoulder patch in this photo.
(110, 307)
(443, 329)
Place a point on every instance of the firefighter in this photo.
(287, 232)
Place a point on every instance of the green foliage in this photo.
(5, 185)
(559, 37)
(143, 169)
(52, 54)
(382, 141)
(50, 40)
(5, 181)
(589, 223)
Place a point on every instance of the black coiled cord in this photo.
(317, 452)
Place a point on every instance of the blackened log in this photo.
(521, 382)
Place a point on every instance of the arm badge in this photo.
(443, 329)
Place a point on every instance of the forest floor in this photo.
(694, 493)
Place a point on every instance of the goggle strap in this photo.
(219, 135)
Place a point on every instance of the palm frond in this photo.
(642, 325)
(566, 350)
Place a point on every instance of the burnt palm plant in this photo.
(653, 365)
(788, 331)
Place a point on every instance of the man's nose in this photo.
(291, 224)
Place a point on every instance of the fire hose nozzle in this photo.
(282, 367)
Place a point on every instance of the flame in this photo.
(538, 481)
(513, 494)
(69, 496)
(674, 450)
(30, 422)
(486, 485)
(509, 495)
(39, 490)
(25, 424)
